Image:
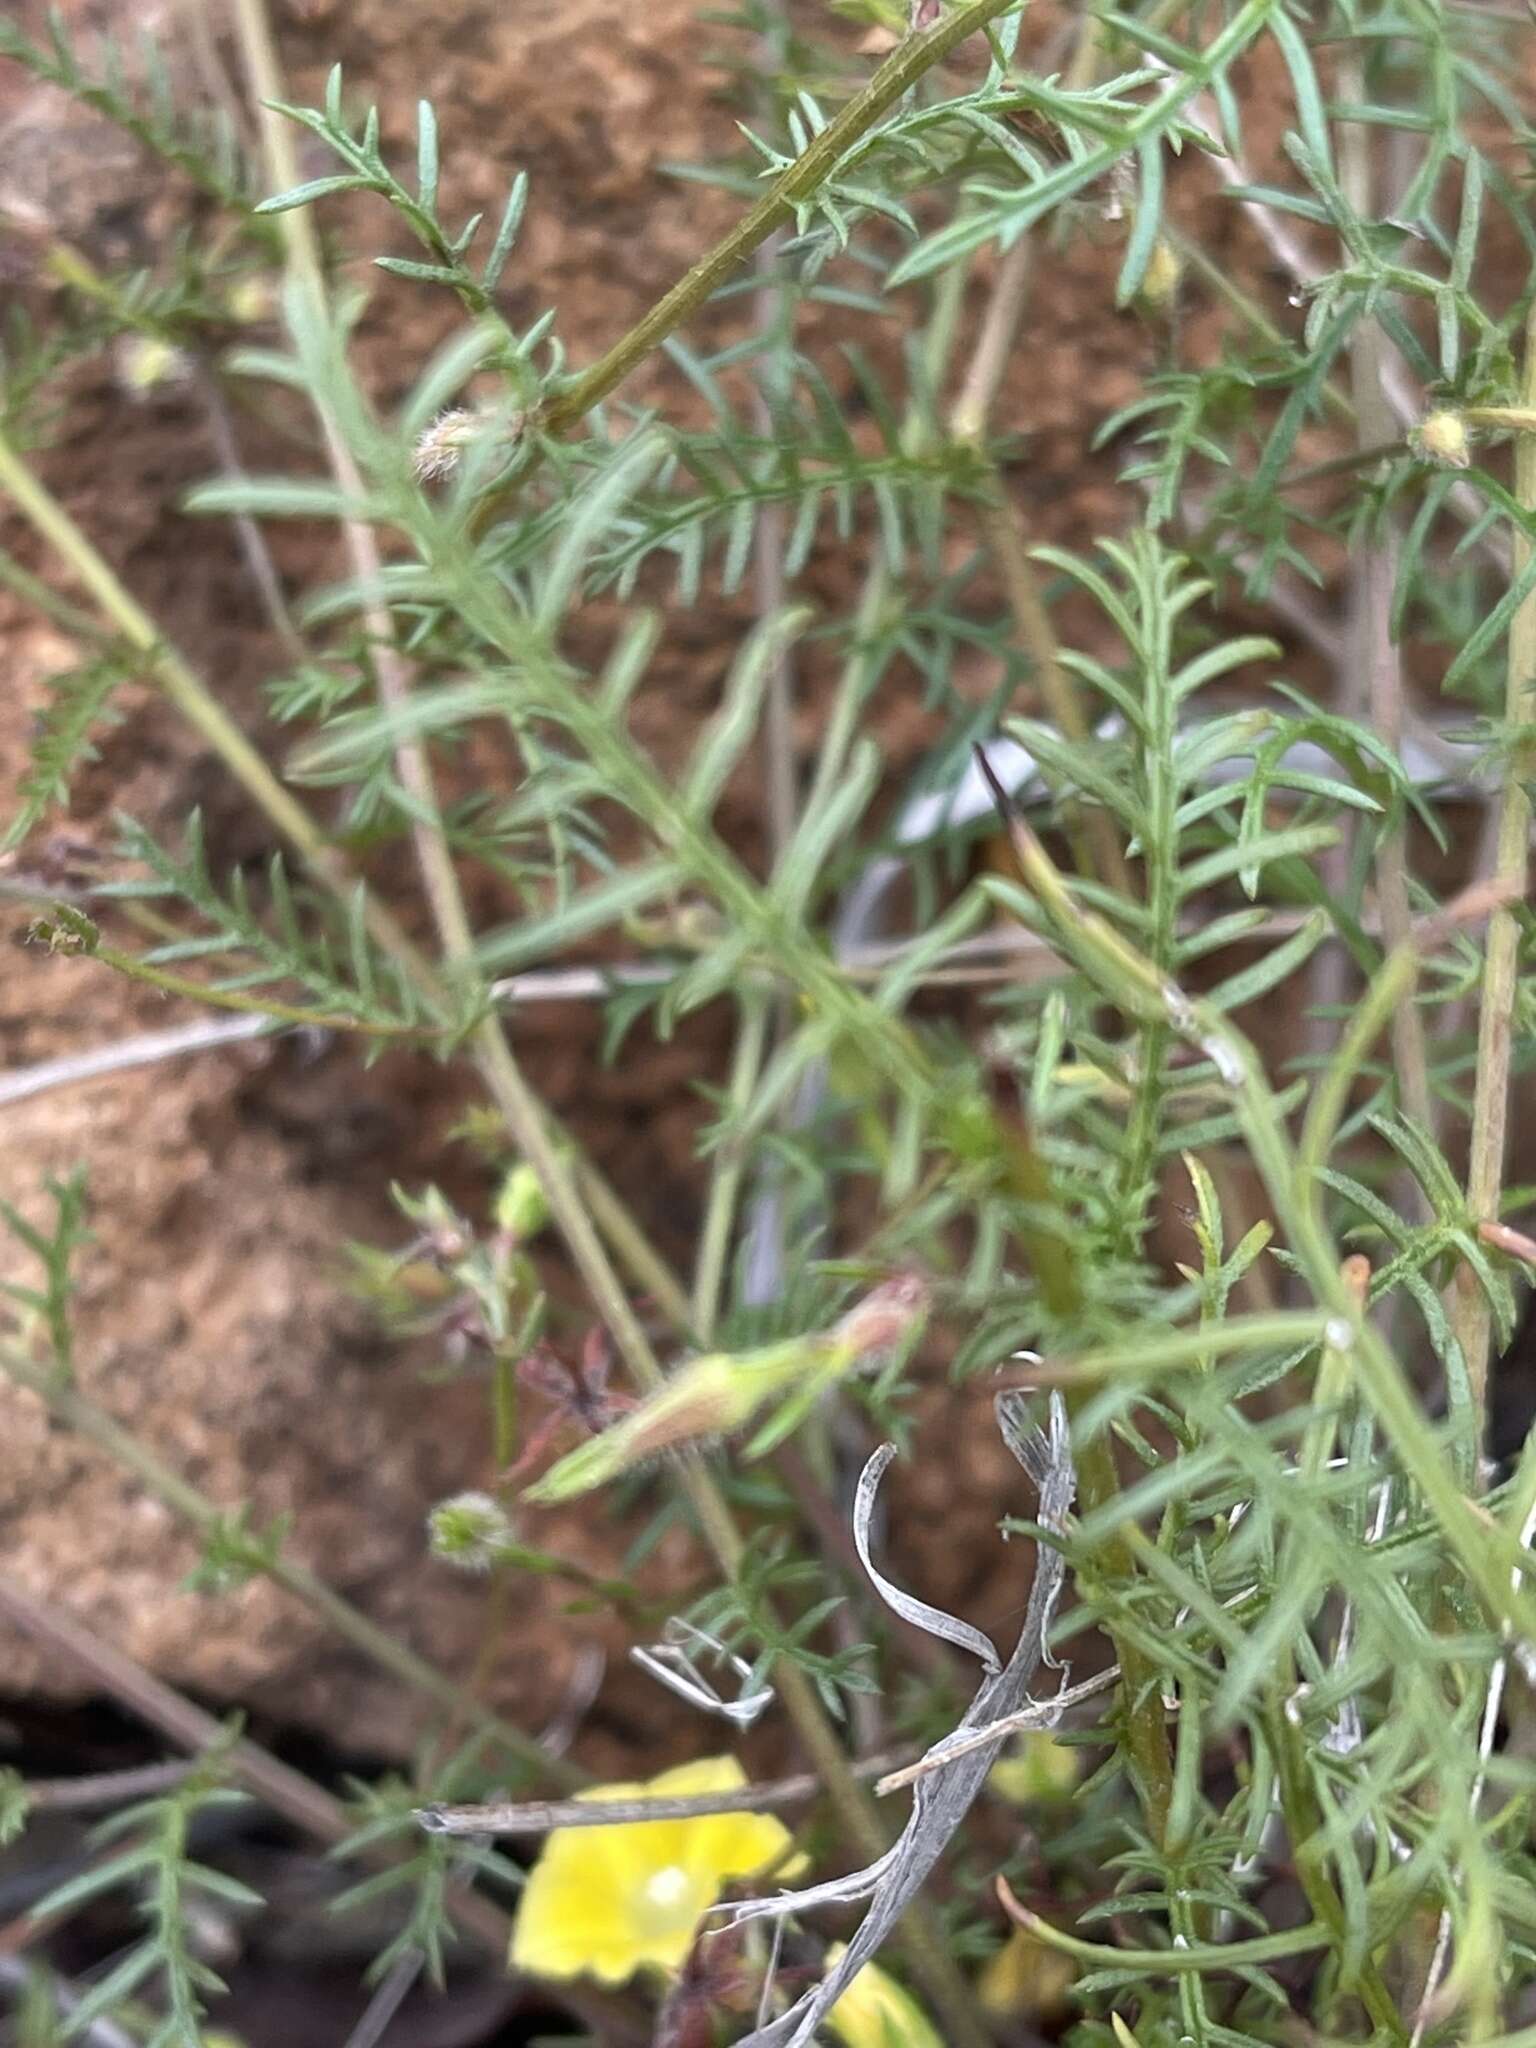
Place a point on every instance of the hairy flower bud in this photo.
(441, 446)
(471, 1531)
(1442, 438)
(441, 449)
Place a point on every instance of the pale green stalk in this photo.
(730, 1168)
(1472, 1315)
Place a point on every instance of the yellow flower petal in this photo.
(609, 1901)
(874, 2012)
(1025, 1979)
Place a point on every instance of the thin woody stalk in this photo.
(434, 858)
(1472, 1314)
(1096, 846)
(1379, 657)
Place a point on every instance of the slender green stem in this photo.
(1149, 1352)
(434, 857)
(1160, 842)
(1098, 1486)
(134, 969)
(1099, 853)
(1228, 288)
(79, 624)
(1379, 660)
(1472, 1314)
(895, 77)
(647, 1269)
(1303, 1823)
(729, 1171)
(1233, 1955)
(79, 1413)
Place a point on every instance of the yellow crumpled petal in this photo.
(874, 2012)
(608, 1901)
(1025, 1979)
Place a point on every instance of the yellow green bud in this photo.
(1162, 277)
(520, 1210)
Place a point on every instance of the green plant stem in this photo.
(1277, 1329)
(1096, 846)
(79, 624)
(1146, 1737)
(1098, 1485)
(1265, 1948)
(1303, 1822)
(78, 1412)
(1375, 570)
(647, 1269)
(1248, 309)
(730, 1167)
(1471, 1314)
(134, 969)
(301, 249)
(1159, 856)
(895, 77)
(1098, 853)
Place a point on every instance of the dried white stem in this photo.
(142, 1051)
